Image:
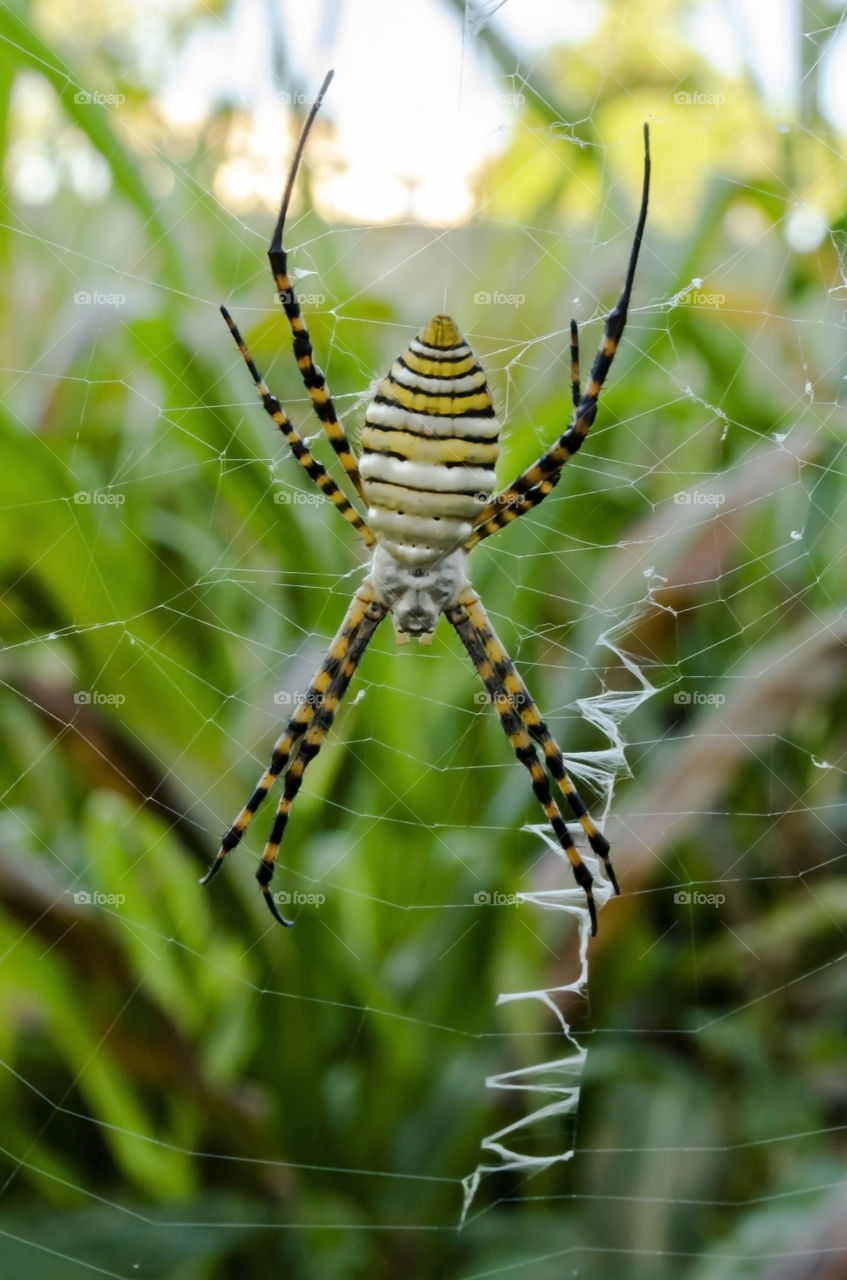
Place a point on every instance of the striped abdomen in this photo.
(429, 447)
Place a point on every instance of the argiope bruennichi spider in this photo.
(426, 478)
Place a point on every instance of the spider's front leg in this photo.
(533, 485)
(315, 470)
(313, 377)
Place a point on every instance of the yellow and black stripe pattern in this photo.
(429, 447)
(539, 480)
(308, 727)
(315, 470)
(525, 728)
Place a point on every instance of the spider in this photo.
(426, 477)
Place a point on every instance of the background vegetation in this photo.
(188, 1092)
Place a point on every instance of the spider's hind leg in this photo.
(521, 700)
(311, 723)
(518, 716)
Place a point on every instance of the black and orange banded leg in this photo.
(575, 392)
(485, 654)
(521, 700)
(533, 496)
(312, 742)
(313, 377)
(315, 470)
(533, 485)
(327, 689)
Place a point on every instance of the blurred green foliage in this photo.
(188, 1092)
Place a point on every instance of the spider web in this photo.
(174, 584)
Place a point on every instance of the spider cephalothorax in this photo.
(416, 598)
(426, 478)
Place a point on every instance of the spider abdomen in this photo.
(429, 447)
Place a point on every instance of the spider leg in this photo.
(313, 377)
(488, 655)
(521, 700)
(534, 484)
(575, 395)
(315, 470)
(312, 742)
(326, 690)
